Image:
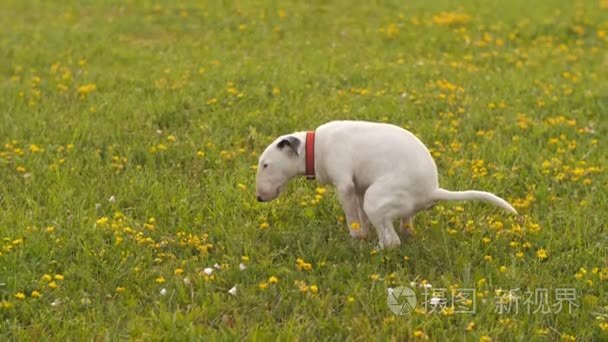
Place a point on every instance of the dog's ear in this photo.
(290, 141)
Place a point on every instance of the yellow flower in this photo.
(420, 334)
(542, 254)
(86, 89)
(313, 289)
(448, 311)
(58, 277)
(102, 221)
(36, 294)
(50, 229)
(264, 225)
(503, 269)
(485, 338)
(20, 295)
(566, 337)
(350, 299)
(470, 326)
(273, 280)
(604, 326)
(47, 278)
(302, 265)
(375, 277)
(35, 149)
(160, 280)
(263, 285)
(355, 226)
(487, 258)
(245, 258)
(53, 285)
(178, 271)
(120, 289)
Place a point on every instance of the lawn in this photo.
(129, 137)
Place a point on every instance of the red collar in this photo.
(310, 155)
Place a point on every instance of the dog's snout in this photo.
(259, 198)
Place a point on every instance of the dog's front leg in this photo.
(350, 206)
(363, 220)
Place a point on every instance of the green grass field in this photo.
(129, 136)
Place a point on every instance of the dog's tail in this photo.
(446, 195)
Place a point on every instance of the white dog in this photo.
(380, 171)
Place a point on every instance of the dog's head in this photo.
(281, 161)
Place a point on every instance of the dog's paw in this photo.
(390, 244)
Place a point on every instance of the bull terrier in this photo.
(381, 172)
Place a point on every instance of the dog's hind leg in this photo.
(378, 202)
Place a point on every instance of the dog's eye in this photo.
(265, 165)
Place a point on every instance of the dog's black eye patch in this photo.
(265, 165)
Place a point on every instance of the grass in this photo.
(129, 131)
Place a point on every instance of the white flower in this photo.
(427, 286)
(56, 302)
(85, 301)
(187, 281)
(208, 270)
(112, 199)
(242, 266)
(413, 284)
(163, 292)
(217, 266)
(435, 301)
(232, 291)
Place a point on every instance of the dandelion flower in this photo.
(36, 294)
(58, 277)
(178, 271)
(20, 295)
(273, 280)
(542, 254)
(313, 289)
(420, 334)
(160, 280)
